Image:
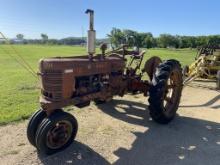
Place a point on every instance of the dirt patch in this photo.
(122, 133)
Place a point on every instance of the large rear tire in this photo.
(56, 132)
(165, 92)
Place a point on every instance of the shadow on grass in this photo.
(184, 141)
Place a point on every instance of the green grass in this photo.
(185, 56)
(19, 91)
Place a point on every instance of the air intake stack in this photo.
(91, 39)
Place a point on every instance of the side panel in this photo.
(68, 86)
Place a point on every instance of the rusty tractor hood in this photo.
(81, 65)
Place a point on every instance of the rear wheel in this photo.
(165, 92)
(33, 124)
(56, 132)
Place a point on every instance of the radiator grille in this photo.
(52, 85)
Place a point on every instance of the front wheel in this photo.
(56, 132)
(165, 92)
(33, 125)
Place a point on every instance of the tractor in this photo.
(206, 65)
(79, 80)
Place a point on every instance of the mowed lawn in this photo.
(19, 90)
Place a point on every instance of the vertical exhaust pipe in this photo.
(91, 38)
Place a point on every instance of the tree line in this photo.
(20, 39)
(116, 37)
(147, 40)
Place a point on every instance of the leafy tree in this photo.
(130, 37)
(148, 40)
(117, 37)
(44, 38)
(20, 36)
(138, 40)
(202, 40)
(167, 40)
(214, 39)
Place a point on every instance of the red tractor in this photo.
(79, 80)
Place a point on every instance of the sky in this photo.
(65, 18)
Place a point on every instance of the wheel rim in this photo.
(171, 93)
(59, 134)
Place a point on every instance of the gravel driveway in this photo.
(122, 133)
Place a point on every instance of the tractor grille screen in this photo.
(52, 85)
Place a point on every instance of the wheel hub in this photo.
(59, 135)
(170, 93)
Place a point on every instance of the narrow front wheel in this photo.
(56, 132)
(33, 125)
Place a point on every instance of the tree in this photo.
(129, 37)
(117, 37)
(201, 40)
(148, 40)
(44, 37)
(20, 36)
(167, 40)
(138, 40)
(214, 39)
